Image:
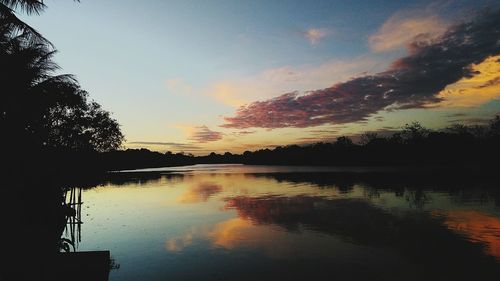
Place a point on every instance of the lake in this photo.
(235, 222)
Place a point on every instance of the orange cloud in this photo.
(481, 88)
(402, 28)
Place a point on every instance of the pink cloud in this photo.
(314, 35)
(411, 82)
(203, 134)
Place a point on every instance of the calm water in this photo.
(229, 222)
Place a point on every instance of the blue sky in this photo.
(170, 71)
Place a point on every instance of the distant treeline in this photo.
(412, 145)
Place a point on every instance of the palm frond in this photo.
(8, 18)
(66, 79)
(27, 6)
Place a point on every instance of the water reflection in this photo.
(247, 226)
(238, 234)
(200, 192)
(477, 226)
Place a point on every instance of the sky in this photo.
(203, 76)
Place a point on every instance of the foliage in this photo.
(40, 109)
(8, 15)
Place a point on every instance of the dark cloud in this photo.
(203, 134)
(411, 82)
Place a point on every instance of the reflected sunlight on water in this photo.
(477, 226)
(253, 225)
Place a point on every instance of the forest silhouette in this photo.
(457, 145)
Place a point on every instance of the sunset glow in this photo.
(265, 78)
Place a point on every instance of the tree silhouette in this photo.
(40, 109)
(495, 127)
(28, 6)
(8, 15)
(414, 132)
(344, 142)
(368, 137)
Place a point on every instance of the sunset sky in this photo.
(201, 76)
